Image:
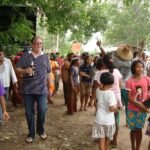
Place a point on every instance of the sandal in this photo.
(29, 140)
(43, 136)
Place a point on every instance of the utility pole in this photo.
(57, 43)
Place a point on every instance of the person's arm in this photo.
(13, 74)
(22, 71)
(120, 83)
(113, 108)
(5, 114)
(99, 44)
(136, 103)
(112, 102)
(83, 74)
(48, 84)
(71, 79)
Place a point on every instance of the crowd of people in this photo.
(109, 82)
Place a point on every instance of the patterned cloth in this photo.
(102, 131)
(136, 120)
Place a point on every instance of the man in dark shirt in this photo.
(35, 68)
(86, 73)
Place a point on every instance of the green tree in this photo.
(82, 17)
(129, 24)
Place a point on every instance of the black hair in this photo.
(107, 78)
(84, 54)
(69, 56)
(138, 87)
(108, 61)
(73, 62)
(53, 56)
(135, 54)
(134, 64)
(86, 58)
(99, 63)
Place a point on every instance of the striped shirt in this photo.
(7, 73)
(37, 84)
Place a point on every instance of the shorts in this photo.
(103, 131)
(85, 88)
(135, 120)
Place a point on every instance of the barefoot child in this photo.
(137, 87)
(104, 126)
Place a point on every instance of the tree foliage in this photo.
(81, 17)
(129, 24)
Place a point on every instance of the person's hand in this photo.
(29, 71)
(145, 109)
(98, 43)
(148, 110)
(5, 116)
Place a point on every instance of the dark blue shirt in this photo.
(88, 70)
(37, 84)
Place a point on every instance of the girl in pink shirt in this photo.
(137, 86)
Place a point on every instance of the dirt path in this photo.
(64, 132)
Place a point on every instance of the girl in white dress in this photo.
(104, 125)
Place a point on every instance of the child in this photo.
(104, 126)
(5, 115)
(108, 66)
(137, 86)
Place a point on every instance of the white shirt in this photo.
(7, 73)
(104, 100)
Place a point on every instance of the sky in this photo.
(91, 44)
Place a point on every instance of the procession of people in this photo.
(108, 82)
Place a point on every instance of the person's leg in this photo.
(75, 101)
(86, 102)
(29, 101)
(57, 78)
(41, 111)
(58, 81)
(138, 138)
(6, 95)
(133, 139)
(149, 146)
(106, 143)
(87, 94)
(114, 141)
(102, 144)
(82, 97)
(124, 97)
(69, 98)
(65, 91)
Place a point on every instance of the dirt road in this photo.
(64, 132)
